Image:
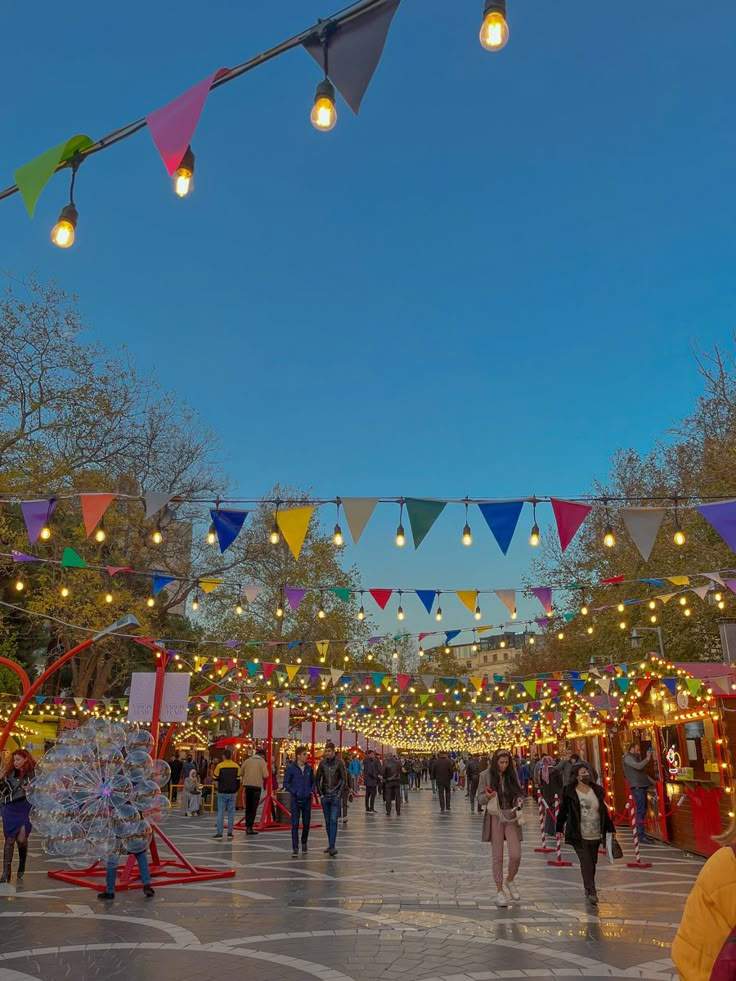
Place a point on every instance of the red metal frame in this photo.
(17, 669)
(164, 872)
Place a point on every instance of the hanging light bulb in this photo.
(467, 534)
(421, 651)
(395, 654)
(532, 640)
(590, 630)
(100, 535)
(337, 538)
(721, 605)
(321, 613)
(718, 597)
(622, 625)
(195, 602)
(150, 601)
(652, 605)
(324, 114)
(45, 533)
(683, 601)
(108, 597)
(514, 614)
(653, 618)
(561, 635)
(279, 610)
(275, 537)
(477, 613)
(400, 536)
(534, 537)
(361, 611)
(438, 614)
(157, 536)
(19, 585)
(687, 611)
(184, 174)
(62, 234)
(584, 610)
(494, 31)
(400, 612)
(64, 592)
(211, 535)
(679, 537)
(239, 608)
(620, 607)
(609, 539)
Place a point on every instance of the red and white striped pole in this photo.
(638, 864)
(557, 861)
(542, 832)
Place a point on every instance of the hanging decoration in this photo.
(228, 525)
(502, 518)
(293, 524)
(569, 516)
(422, 515)
(642, 525)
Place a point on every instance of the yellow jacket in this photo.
(709, 918)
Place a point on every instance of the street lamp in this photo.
(636, 638)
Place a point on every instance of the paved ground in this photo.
(407, 898)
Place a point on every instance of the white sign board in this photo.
(174, 703)
(280, 728)
(320, 732)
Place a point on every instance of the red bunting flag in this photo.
(381, 596)
(569, 515)
(93, 508)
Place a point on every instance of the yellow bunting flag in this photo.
(294, 525)
(665, 597)
(395, 699)
(477, 683)
(679, 580)
(322, 647)
(292, 670)
(483, 630)
(387, 682)
(468, 597)
(210, 585)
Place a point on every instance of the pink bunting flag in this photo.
(544, 595)
(569, 515)
(172, 126)
(113, 570)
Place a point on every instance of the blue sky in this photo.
(484, 285)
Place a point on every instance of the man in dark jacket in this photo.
(176, 765)
(392, 783)
(444, 768)
(372, 773)
(331, 779)
(473, 775)
(299, 783)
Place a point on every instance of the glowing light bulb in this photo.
(609, 539)
(400, 613)
(337, 538)
(477, 613)
(561, 635)
(275, 537)
(421, 652)
(211, 535)
(620, 607)
(653, 618)
(195, 604)
(45, 533)
(361, 614)
(321, 612)
(590, 630)
(438, 614)
(108, 597)
(64, 591)
(494, 31)
(584, 610)
(400, 537)
(679, 538)
(100, 535)
(534, 537)
(683, 601)
(622, 625)
(239, 608)
(150, 601)
(687, 612)
(718, 597)
(324, 114)
(62, 234)
(721, 605)
(514, 614)
(279, 611)
(157, 537)
(184, 175)
(467, 535)
(652, 605)
(19, 585)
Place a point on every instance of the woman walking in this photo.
(14, 778)
(586, 821)
(499, 788)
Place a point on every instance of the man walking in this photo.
(176, 766)
(443, 771)
(253, 773)
(372, 772)
(227, 776)
(392, 784)
(330, 780)
(473, 775)
(639, 782)
(299, 783)
(354, 769)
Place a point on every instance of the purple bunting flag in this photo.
(36, 514)
(294, 596)
(722, 518)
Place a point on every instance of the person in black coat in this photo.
(585, 819)
(372, 774)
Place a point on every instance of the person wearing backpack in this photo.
(227, 775)
(704, 948)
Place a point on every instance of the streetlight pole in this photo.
(124, 623)
(636, 638)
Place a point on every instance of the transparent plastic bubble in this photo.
(139, 739)
(138, 765)
(159, 809)
(161, 773)
(145, 792)
(138, 839)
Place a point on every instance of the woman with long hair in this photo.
(586, 821)
(14, 778)
(499, 789)
(705, 946)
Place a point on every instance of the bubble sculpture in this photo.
(97, 792)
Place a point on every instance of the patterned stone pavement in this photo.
(407, 899)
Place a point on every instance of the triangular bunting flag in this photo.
(294, 596)
(36, 514)
(113, 570)
(642, 525)
(294, 525)
(93, 508)
(508, 598)
(159, 582)
(251, 593)
(427, 596)
(450, 635)
(343, 594)
(403, 680)
(544, 595)
(623, 684)
(268, 670)
(322, 647)
(604, 684)
(664, 597)
(422, 515)
(377, 679)
(679, 580)
(427, 680)
(358, 511)
(722, 518)
(381, 596)
(715, 576)
(354, 51)
(701, 591)
(292, 670)
(172, 126)
(154, 501)
(468, 597)
(209, 585)
(227, 526)
(477, 683)
(315, 674)
(33, 176)
(531, 687)
(71, 560)
(336, 674)
(569, 515)
(22, 557)
(670, 684)
(693, 685)
(502, 518)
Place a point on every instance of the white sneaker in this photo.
(501, 899)
(513, 891)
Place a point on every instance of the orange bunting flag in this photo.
(292, 670)
(294, 525)
(93, 508)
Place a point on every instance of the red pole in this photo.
(158, 696)
(314, 733)
(17, 669)
(37, 684)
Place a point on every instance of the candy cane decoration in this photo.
(557, 861)
(542, 804)
(638, 864)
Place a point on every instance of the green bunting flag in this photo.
(343, 594)
(33, 177)
(422, 515)
(71, 560)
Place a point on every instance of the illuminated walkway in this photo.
(406, 898)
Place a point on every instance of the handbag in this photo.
(6, 792)
(511, 816)
(614, 851)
